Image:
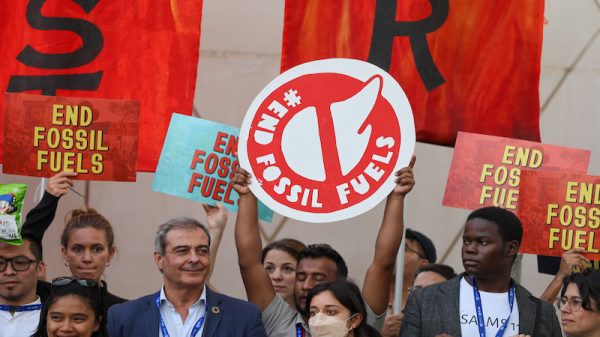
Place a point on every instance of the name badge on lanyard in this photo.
(479, 309)
(163, 327)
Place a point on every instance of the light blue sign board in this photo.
(209, 179)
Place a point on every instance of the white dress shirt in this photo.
(175, 325)
(21, 323)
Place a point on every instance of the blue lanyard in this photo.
(20, 308)
(479, 309)
(299, 330)
(163, 327)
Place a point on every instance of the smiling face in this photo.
(281, 267)
(578, 322)
(71, 316)
(186, 262)
(87, 252)
(18, 287)
(309, 273)
(484, 253)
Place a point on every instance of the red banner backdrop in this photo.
(143, 50)
(560, 211)
(465, 65)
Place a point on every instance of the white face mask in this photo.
(322, 325)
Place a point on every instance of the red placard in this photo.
(143, 50)
(485, 170)
(323, 140)
(465, 65)
(44, 135)
(560, 211)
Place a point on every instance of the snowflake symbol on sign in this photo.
(291, 98)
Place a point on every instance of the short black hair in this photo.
(588, 283)
(509, 225)
(89, 295)
(323, 250)
(446, 271)
(35, 246)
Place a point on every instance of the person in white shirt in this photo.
(184, 306)
(485, 300)
(20, 267)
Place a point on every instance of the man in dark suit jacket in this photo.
(185, 306)
(484, 297)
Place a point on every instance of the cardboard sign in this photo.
(485, 170)
(324, 139)
(44, 135)
(560, 211)
(198, 161)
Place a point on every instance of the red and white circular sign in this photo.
(324, 139)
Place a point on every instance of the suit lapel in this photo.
(151, 317)
(527, 310)
(449, 309)
(213, 313)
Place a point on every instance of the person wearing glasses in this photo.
(485, 300)
(185, 305)
(316, 264)
(74, 308)
(579, 304)
(20, 267)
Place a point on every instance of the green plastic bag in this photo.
(11, 207)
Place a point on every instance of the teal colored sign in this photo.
(197, 162)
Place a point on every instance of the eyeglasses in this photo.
(18, 263)
(408, 249)
(66, 280)
(574, 302)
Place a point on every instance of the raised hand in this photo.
(240, 181)
(405, 180)
(58, 185)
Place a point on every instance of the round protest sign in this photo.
(324, 139)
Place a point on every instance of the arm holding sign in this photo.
(376, 289)
(41, 216)
(570, 259)
(259, 288)
(216, 218)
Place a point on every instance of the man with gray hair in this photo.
(185, 306)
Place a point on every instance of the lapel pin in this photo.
(215, 310)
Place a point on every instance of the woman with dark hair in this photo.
(579, 304)
(338, 310)
(279, 258)
(74, 308)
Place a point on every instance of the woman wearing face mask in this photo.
(579, 304)
(338, 310)
(279, 260)
(73, 308)
(87, 245)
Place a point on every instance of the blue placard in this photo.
(197, 163)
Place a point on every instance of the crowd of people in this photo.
(292, 289)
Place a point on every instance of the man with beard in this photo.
(20, 267)
(316, 264)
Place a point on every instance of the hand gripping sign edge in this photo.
(359, 70)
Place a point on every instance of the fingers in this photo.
(413, 159)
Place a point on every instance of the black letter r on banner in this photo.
(386, 28)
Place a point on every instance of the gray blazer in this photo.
(435, 310)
